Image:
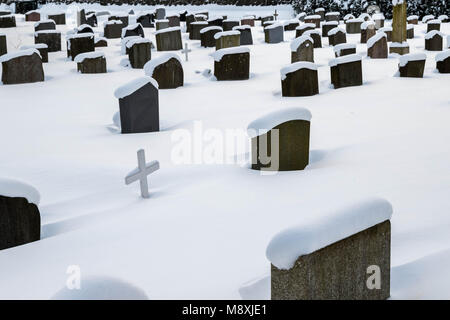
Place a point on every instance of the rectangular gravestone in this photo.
(3, 44)
(232, 63)
(346, 71)
(169, 39)
(139, 52)
(24, 66)
(52, 38)
(80, 43)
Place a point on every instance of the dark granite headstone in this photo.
(215, 22)
(227, 39)
(232, 64)
(336, 36)
(303, 28)
(167, 71)
(367, 31)
(26, 68)
(246, 35)
(229, 24)
(42, 48)
(302, 49)
(315, 35)
(3, 45)
(315, 19)
(353, 26)
(7, 21)
(44, 25)
(291, 25)
(246, 21)
(299, 80)
(377, 47)
(409, 31)
(161, 24)
(327, 26)
(332, 16)
(51, 38)
(80, 43)
(344, 49)
(189, 19)
(100, 42)
(145, 20)
(174, 20)
(123, 18)
(321, 13)
(412, 65)
(388, 31)
(113, 29)
(194, 34)
(91, 20)
(93, 64)
(60, 18)
(169, 39)
(133, 30)
(139, 53)
(433, 41)
(413, 19)
(433, 25)
(443, 62)
(346, 71)
(85, 28)
(207, 36)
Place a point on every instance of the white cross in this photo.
(141, 172)
(186, 50)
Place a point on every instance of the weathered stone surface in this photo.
(161, 24)
(195, 29)
(229, 24)
(145, 20)
(300, 83)
(169, 74)
(233, 67)
(337, 37)
(169, 40)
(44, 25)
(43, 51)
(174, 21)
(80, 44)
(412, 69)
(133, 30)
(327, 26)
(379, 49)
(344, 50)
(274, 34)
(399, 22)
(60, 19)
(304, 52)
(139, 54)
(367, 33)
(246, 35)
(113, 30)
(7, 21)
(346, 74)
(92, 65)
(215, 22)
(353, 27)
(228, 41)
(413, 20)
(248, 21)
(3, 45)
(338, 271)
(302, 29)
(434, 43)
(51, 38)
(207, 37)
(123, 18)
(99, 43)
(23, 69)
(32, 16)
(315, 35)
(332, 16)
(443, 66)
(20, 222)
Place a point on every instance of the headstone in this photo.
(113, 29)
(332, 16)
(274, 33)
(91, 19)
(413, 19)
(124, 48)
(267, 18)
(249, 21)
(353, 26)
(207, 36)
(145, 20)
(79, 43)
(227, 39)
(433, 40)
(7, 21)
(52, 38)
(189, 19)
(139, 106)
(315, 19)
(412, 65)
(348, 16)
(344, 49)
(433, 25)
(378, 19)
(410, 31)
(121, 17)
(81, 17)
(443, 61)
(23, 6)
(133, 30)
(336, 36)
(169, 39)
(346, 71)
(100, 42)
(174, 20)
(85, 28)
(367, 30)
(3, 44)
(284, 135)
(291, 25)
(161, 24)
(301, 16)
(41, 47)
(59, 18)
(232, 63)
(230, 23)
(302, 49)
(299, 79)
(139, 52)
(321, 13)
(377, 47)
(327, 26)
(444, 18)
(91, 62)
(427, 18)
(33, 16)
(167, 70)
(246, 34)
(388, 32)
(216, 21)
(160, 13)
(315, 35)
(44, 25)
(399, 44)
(196, 27)
(303, 28)
(23, 66)
(183, 15)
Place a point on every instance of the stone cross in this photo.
(275, 14)
(186, 50)
(399, 27)
(141, 172)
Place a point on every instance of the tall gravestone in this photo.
(399, 44)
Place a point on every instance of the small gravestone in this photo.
(378, 19)
(24, 66)
(399, 44)
(412, 65)
(280, 140)
(100, 42)
(433, 25)
(124, 49)
(246, 34)
(174, 20)
(33, 16)
(413, 19)
(346, 71)
(52, 38)
(410, 31)
(344, 49)
(388, 32)
(367, 30)
(91, 19)
(85, 28)
(302, 49)
(232, 63)
(315, 35)
(41, 47)
(59, 18)
(3, 44)
(207, 36)
(299, 79)
(248, 21)
(122, 17)
(290, 25)
(133, 30)
(343, 256)
(80, 43)
(216, 21)
(7, 21)
(139, 106)
(336, 36)
(321, 13)
(332, 16)
(443, 62)
(145, 20)
(315, 19)
(433, 41)
(161, 24)
(139, 52)
(347, 17)
(377, 47)
(267, 18)
(160, 13)
(327, 26)
(44, 25)
(196, 27)
(353, 26)
(303, 28)
(91, 62)
(227, 39)
(444, 18)
(427, 18)
(113, 29)
(167, 70)
(189, 19)
(168, 39)
(274, 33)
(229, 24)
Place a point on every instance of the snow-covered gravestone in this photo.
(353, 26)
(303, 28)
(133, 30)
(433, 40)
(267, 18)
(321, 13)
(336, 36)
(412, 65)
(444, 18)
(216, 21)
(24, 66)
(302, 49)
(290, 25)
(139, 106)
(274, 33)
(160, 13)
(346, 71)
(20, 220)
(122, 17)
(232, 63)
(91, 62)
(434, 25)
(378, 19)
(100, 42)
(227, 39)
(246, 35)
(91, 19)
(79, 43)
(280, 140)
(443, 61)
(52, 38)
(413, 19)
(3, 44)
(169, 39)
(59, 18)
(41, 47)
(84, 28)
(344, 49)
(315, 35)
(346, 255)
(145, 20)
(7, 21)
(332, 16)
(248, 21)
(139, 52)
(161, 24)
(207, 36)
(113, 29)
(32, 16)
(196, 27)
(377, 47)
(228, 24)
(299, 80)
(327, 26)
(315, 19)
(387, 31)
(174, 20)
(410, 31)
(167, 70)
(44, 25)
(347, 17)
(367, 30)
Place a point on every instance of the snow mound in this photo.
(333, 31)
(404, 59)
(34, 46)
(288, 245)
(297, 42)
(433, 33)
(441, 56)
(15, 188)
(133, 86)
(88, 55)
(218, 55)
(367, 24)
(297, 66)
(211, 28)
(331, 23)
(137, 40)
(313, 16)
(345, 59)
(243, 27)
(150, 66)
(110, 22)
(256, 289)
(218, 35)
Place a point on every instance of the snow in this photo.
(409, 26)
(404, 59)
(297, 66)
(134, 85)
(111, 22)
(335, 30)
(342, 46)
(16, 54)
(211, 28)
(443, 17)
(150, 66)
(345, 59)
(396, 2)
(34, 46)
(367, 24)
(385, 29)
(333, 13)
(288, 245)
(375, 38)
(136, 40)
(305, 25)
(441, 56)
(432, 34)
(427, 17)
(355, 20)
(130, 27)
(218, 55)
(299, 41)
(15, 188)
(314, 16)
(399, 44)
(88, 55)
(273, 26)
(243, 27)
(348, 16)
(168, 30)
(37, 24)
(201, 23)
(412, 17)
(219, 35)
(434, 21)
(331, 23)
(79, 35)
(378, 16)
(272, 119)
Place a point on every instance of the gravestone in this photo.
(174, 20)
(347, 17)
(169, 39)
(336, 36)
(433, 40)
(124, 49)
(167, 70)
(79, 43)
(444, 18)
(228, 24)
(215, 21)
(427, 18)
(139, 106)
(315, 19)
(100, 42)
(413, 19)
(183, 15)
(232, 63)
(327, 26)
(5, 13)
(346, 71)
(433, 25)
(302, 49)
(3, 44)
(321, 13)
(332, 16)
(303, 28)
(195, 29)
(33, 16)
(412, 65)
(85, 28)
(377, 47)
(388, 32)
(378, 19)
(145, 20)
(91, 19)
(443, 62)
(315, 35)
(353, 26)
(249, 21)
(91, 62)
(81, 17)
(274, 33)
(227, 39)
(189, 19)
(299, 79)
(246, 34)
(290, 25)
(121, 17)
(207, 36)
(367, 30)
(133, 30)
(344, 49)
(44, 25)
(59, 18)
(267, 18)
(7, 21)
(52, 38)
(280, 140)
(410, 31)
(42, 48)
(161, 24)
(301, 16)
(160, 13)
(24, 66)
(139, 52)
(113, 29)
(399, 44)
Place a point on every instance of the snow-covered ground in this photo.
(204, 231)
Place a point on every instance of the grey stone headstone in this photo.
(300, 83)
(234, 66)
(92, 65)
(174, 21)
(434, 43)
(113, 31)
(145, 21)
(80, 45)
(246, 36)
(160, 13)
(169, 74)
(274, 35)
(346, 74)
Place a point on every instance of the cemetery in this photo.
(289, 150)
